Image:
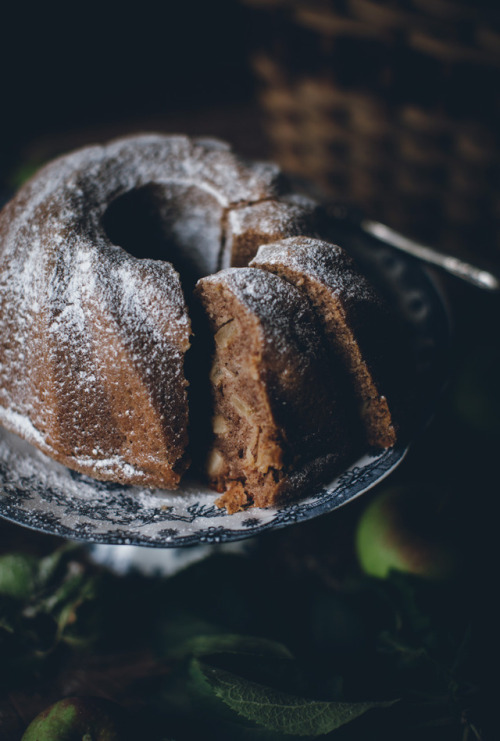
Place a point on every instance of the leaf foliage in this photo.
(279, 711)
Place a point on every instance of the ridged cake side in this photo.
(92, 346)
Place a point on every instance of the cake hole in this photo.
(171, 221)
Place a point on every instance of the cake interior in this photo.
(247, 452)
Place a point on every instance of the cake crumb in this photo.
(234, 498)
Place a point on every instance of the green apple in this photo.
(77, 719)
(401, 530)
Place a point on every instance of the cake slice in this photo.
(280, 417)
(356, 321)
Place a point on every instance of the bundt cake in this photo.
(99, 254)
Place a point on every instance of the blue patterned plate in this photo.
(38, 493)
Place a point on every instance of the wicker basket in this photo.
(394, 105)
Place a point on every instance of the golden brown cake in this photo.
(99, 254)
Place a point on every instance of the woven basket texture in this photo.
(394, 105)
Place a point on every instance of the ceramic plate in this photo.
(38, 493)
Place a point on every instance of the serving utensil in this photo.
(472, 274)
(453, 265)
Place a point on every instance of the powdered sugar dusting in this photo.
(281, 309)
(286, 217)
(325, 262)
(254, 224)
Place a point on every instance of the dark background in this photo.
(87, 73)
(91, 68)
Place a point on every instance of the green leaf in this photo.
(175, 628)
(18, 574)
(65, 603)
(277, 711)
(23, 576)
(230, 643)
(51, 564)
